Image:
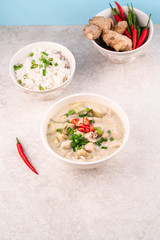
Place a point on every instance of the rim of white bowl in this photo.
(131, 51)
(49, 90)
(83, 163)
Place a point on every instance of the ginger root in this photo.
(121, 27)
(101, 22)
(117, 41)
(112, 35)
(91, 31)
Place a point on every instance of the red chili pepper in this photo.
(81, 129)
(87, 129)
(132, 27)
(21, 153)
(118, 19)
(127, 33)
(92, 129)
(75, 121)
(120, 11)
(144, 34)
(86, 121)
(134, 37)
(115, 14)
(80, 125)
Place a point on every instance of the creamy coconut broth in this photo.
(85, 131)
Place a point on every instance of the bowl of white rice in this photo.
(42, 69)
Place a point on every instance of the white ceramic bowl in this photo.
(91, 98)
(123, 57)
(25, 51)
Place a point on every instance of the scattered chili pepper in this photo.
(118, 19)
(21, 153)
(92, 128)
(86, 121)
(144, 34)
(87, 129)
(75, 121)
(120, 11)
(81, 129)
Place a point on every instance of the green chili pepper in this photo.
(138, 33)
(130, 18)
(133, 16)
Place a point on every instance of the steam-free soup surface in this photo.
(85, 131)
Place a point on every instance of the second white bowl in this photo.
(88, 98)
(25, 51)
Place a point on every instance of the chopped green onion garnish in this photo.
(44, 53)
(102, 139)
(111, 139)
(69, 130)
(44, 72)
(16, 67)
(99, 131)
(68, 121)
(31, 54)
(33, 62)
(83, 115)
(109, 131)
(88, 109)
(25, 76)
(91, 121)
(41, 88)
(77, 141)
(105, 139)
(58, 130)
(79, 148)
(34, 66)
(45, 61)
(98, 143)
(56, 64)
(71, 112)
(104, 147)
(19, 81)
(66, 114)
(40, 66)
(50, 59)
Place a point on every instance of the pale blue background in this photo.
(64, 12)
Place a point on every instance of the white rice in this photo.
(55, 75)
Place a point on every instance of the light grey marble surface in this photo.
(116, 202)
